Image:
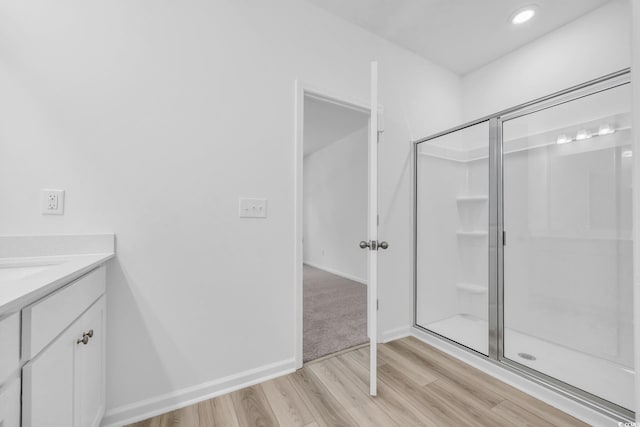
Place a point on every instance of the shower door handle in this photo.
(364, 244)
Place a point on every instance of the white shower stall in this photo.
(523, 241)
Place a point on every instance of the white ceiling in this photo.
(461, 35)
(326, 123)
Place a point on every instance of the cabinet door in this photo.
(10, 403)
(47, 384)
(89, 369)
(63, 386)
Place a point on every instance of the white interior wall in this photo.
(335, 204)
(595, 44)
(415, 104)
(635, 67)
(155, 117)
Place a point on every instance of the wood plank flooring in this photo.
(418, 386)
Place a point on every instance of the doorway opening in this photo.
(334, 206)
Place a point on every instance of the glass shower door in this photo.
(451, 236)
(567, 199)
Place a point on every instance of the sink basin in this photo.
(17, 271)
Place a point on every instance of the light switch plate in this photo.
(252, 208)
(51, 202)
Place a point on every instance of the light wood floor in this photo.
(418, 386)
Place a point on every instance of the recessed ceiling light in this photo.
(523, 15)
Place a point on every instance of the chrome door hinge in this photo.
(504, 238)
(378, 304)
(380, 119)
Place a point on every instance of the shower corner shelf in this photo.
(471, 199)
(476, 233)
(472, 288)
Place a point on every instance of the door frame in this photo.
(303, 89)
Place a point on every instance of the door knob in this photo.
(85, 337)
(374, 245)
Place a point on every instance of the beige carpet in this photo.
(335, 313)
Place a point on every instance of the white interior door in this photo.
(372, 253)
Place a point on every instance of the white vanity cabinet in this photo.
(10, 403)
(89, 367)
(63, 348)
(10, 370)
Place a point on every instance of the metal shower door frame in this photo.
(496, 241)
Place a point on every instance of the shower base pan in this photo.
(601, 377)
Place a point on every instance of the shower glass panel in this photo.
(452, 208)
(568, 255)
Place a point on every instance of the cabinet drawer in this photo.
(10, 404)
(47, 318)
(9, 347)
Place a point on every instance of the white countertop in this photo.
(25, 279)
(16, 293)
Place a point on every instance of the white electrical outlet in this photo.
(52, 202)
(253, 208)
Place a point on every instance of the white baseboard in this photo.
(337, 273)
(396, 334)
(147, 408)
(565, 404)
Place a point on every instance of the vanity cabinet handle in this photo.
(85, 337)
